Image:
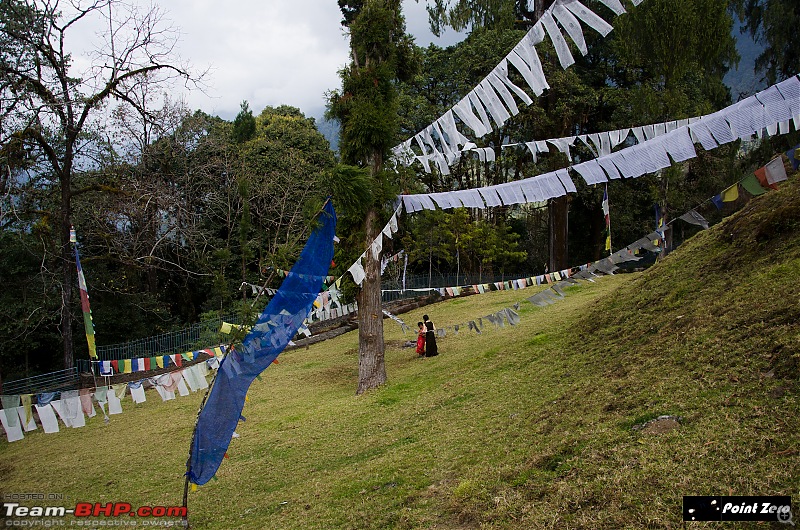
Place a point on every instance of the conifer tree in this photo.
(366, 107)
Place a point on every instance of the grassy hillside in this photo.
(524, 427)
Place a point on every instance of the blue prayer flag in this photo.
(273, 330)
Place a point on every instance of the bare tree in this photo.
(52, 94)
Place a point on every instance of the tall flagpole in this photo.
(87, 311)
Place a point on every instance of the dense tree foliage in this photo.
(633, 77)
(51, 109)
(175, 209)
(177, 229)
(773, 24)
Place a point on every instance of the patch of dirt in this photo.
(400, 344)
(661, 426)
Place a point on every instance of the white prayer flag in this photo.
(776, 171)
(13, 428)
(47, 417)
(357, 271)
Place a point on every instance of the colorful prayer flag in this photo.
(753, 187)
(761, 175)
(730, 194)
(87, 312)
(607, 214)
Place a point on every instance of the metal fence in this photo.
(206, 333)
(179, 341)
(200, 335)
(392, 288)
(50, 382)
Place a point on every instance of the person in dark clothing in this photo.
(431, 349)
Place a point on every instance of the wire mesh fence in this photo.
(49, 382)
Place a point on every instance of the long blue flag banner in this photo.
(275, 327)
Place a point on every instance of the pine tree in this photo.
(366, 107)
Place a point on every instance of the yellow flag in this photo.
(226, 328)
(120, 389)
(26, 407)
(160, 361)
(731, 194)
(92, 346)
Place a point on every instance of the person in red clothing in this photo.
(421, 331)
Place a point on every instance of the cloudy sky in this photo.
(271, 52)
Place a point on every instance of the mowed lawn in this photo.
(532, 426)
(312, 454)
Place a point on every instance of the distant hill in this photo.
(744, 81)
(330, 130)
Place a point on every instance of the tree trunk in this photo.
(558, 216)
(371, 365)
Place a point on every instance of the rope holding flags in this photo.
(491, 103)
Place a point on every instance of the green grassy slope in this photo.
(523, 427)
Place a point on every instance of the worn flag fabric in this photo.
(695, 218)
(776, 171)
(87, 312)
(273, 330)
(730, 194)
(753, 186)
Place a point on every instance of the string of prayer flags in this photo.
(356, 270)
(659, 146)
(492, 101)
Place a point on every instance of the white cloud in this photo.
(272, 53)
(275, 52)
